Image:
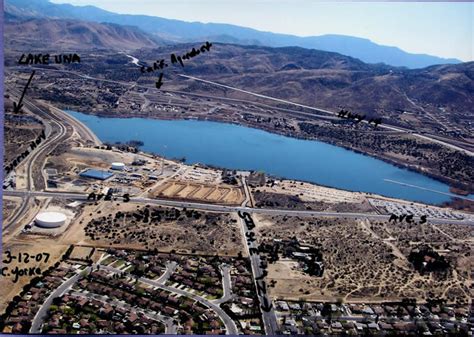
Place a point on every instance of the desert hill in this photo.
(73, 34)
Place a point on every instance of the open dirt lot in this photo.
(10, 204)
(81, 253)
(368, 261)
(32, 249)
(164, 229)
(310, 192)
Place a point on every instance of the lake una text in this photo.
(46, 58)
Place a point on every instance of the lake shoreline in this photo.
(311, 147)
(263, 127)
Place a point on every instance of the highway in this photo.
(32, 159)
(80, 128)
(58, 120)
(231, 209)
(53, 120)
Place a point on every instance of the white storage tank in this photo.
(118, 166)
(50, 219)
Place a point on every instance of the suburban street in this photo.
(56, 129)
(258, 273)
(226, 285)
(170, 268)
(43, 311)
(267, 168)
(170, 327)
(228, 322)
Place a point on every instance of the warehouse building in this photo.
(96, 174)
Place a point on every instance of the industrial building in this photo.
(96, 174)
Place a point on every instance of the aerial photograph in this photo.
(224, 167)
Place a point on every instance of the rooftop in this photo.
(96, 174)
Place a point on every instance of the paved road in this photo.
(226, 285)
(56, 118)
(230, 209)
(43, 147)
(80, 128)
(170, 327)
(362, 319)
(247, 194)
(268, 316)
(42, 313)
(231, 328)
(170, 268)
(32, 159)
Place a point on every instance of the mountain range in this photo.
(327, 79)
(73, 34)
(164, 30)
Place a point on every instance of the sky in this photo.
(437, 28)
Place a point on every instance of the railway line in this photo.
(326, 114)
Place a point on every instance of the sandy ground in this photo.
(8, 289)
(80, 252)
(75, 234)
(310, 192)
(98, 157)
(368, 261)
(199, 192)
(357, 254)
(33, 208)
(20, 177)
(10, 204)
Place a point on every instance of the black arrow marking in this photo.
(261, 288)
(159, 83)
(266, 306)
(17, 107)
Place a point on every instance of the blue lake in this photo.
(238, 147)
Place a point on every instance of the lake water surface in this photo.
(238, 147)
